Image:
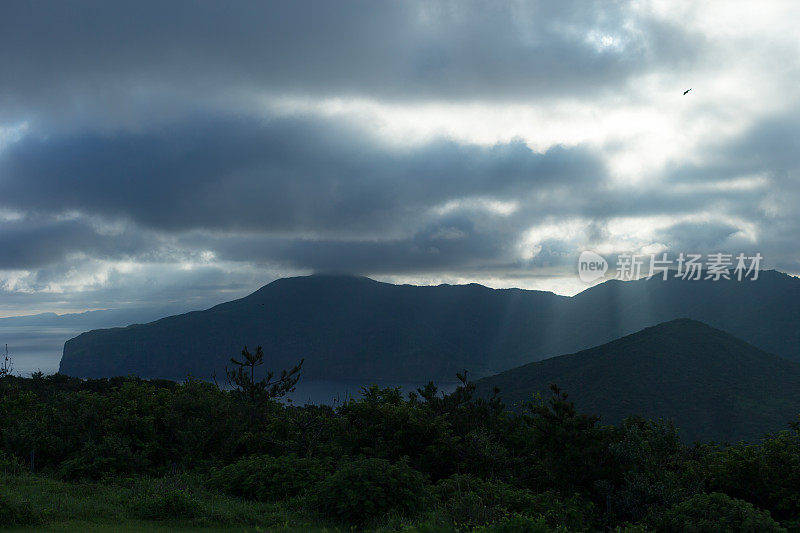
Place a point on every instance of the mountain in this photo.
(765, 312)
(36, 342)
(712, 385)
(345, 328)
(100, 318)
(357, 328)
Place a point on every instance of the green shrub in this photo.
(269, 479)
(166, 504)
(717, 512)
(766, 474)
(653, 471)
(632, 528)
(14, 513)
(9, 464)
(575, 512)
(518, 523)
(363, 490)
(112, 456)
(471, 502)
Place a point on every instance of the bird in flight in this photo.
(686, 91)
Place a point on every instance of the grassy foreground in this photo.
(135, 505)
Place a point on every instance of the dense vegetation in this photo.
(357, 328)
(711, 384)
(133, 452)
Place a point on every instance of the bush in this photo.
(363, 490)
(269, 479)
(766, 474)
(632, 528)
(518, 523)
(574, 513)
(471, 502)
(653, 470)
(165, 504)
(112, 456)
(9, 464)
(717, 512)
(13, 513)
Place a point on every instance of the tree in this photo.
(570, 447)
(716, 512)
(6, 366)
(243, 378)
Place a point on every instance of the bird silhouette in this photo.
(686, 91)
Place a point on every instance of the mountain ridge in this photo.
(713, 385)
(358, 328)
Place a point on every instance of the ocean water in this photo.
(34, 348)
(333, 392)
(39, 348)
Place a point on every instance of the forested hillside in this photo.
(712, 385)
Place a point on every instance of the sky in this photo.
(160, 152)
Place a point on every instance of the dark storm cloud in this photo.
(450, 243)
(34, 242)
(283, 175)
(157, 151)
(321, 195)
(75, 57)
(253, 191)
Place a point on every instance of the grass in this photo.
(162, 504)
(132, 526)
(170, 504)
